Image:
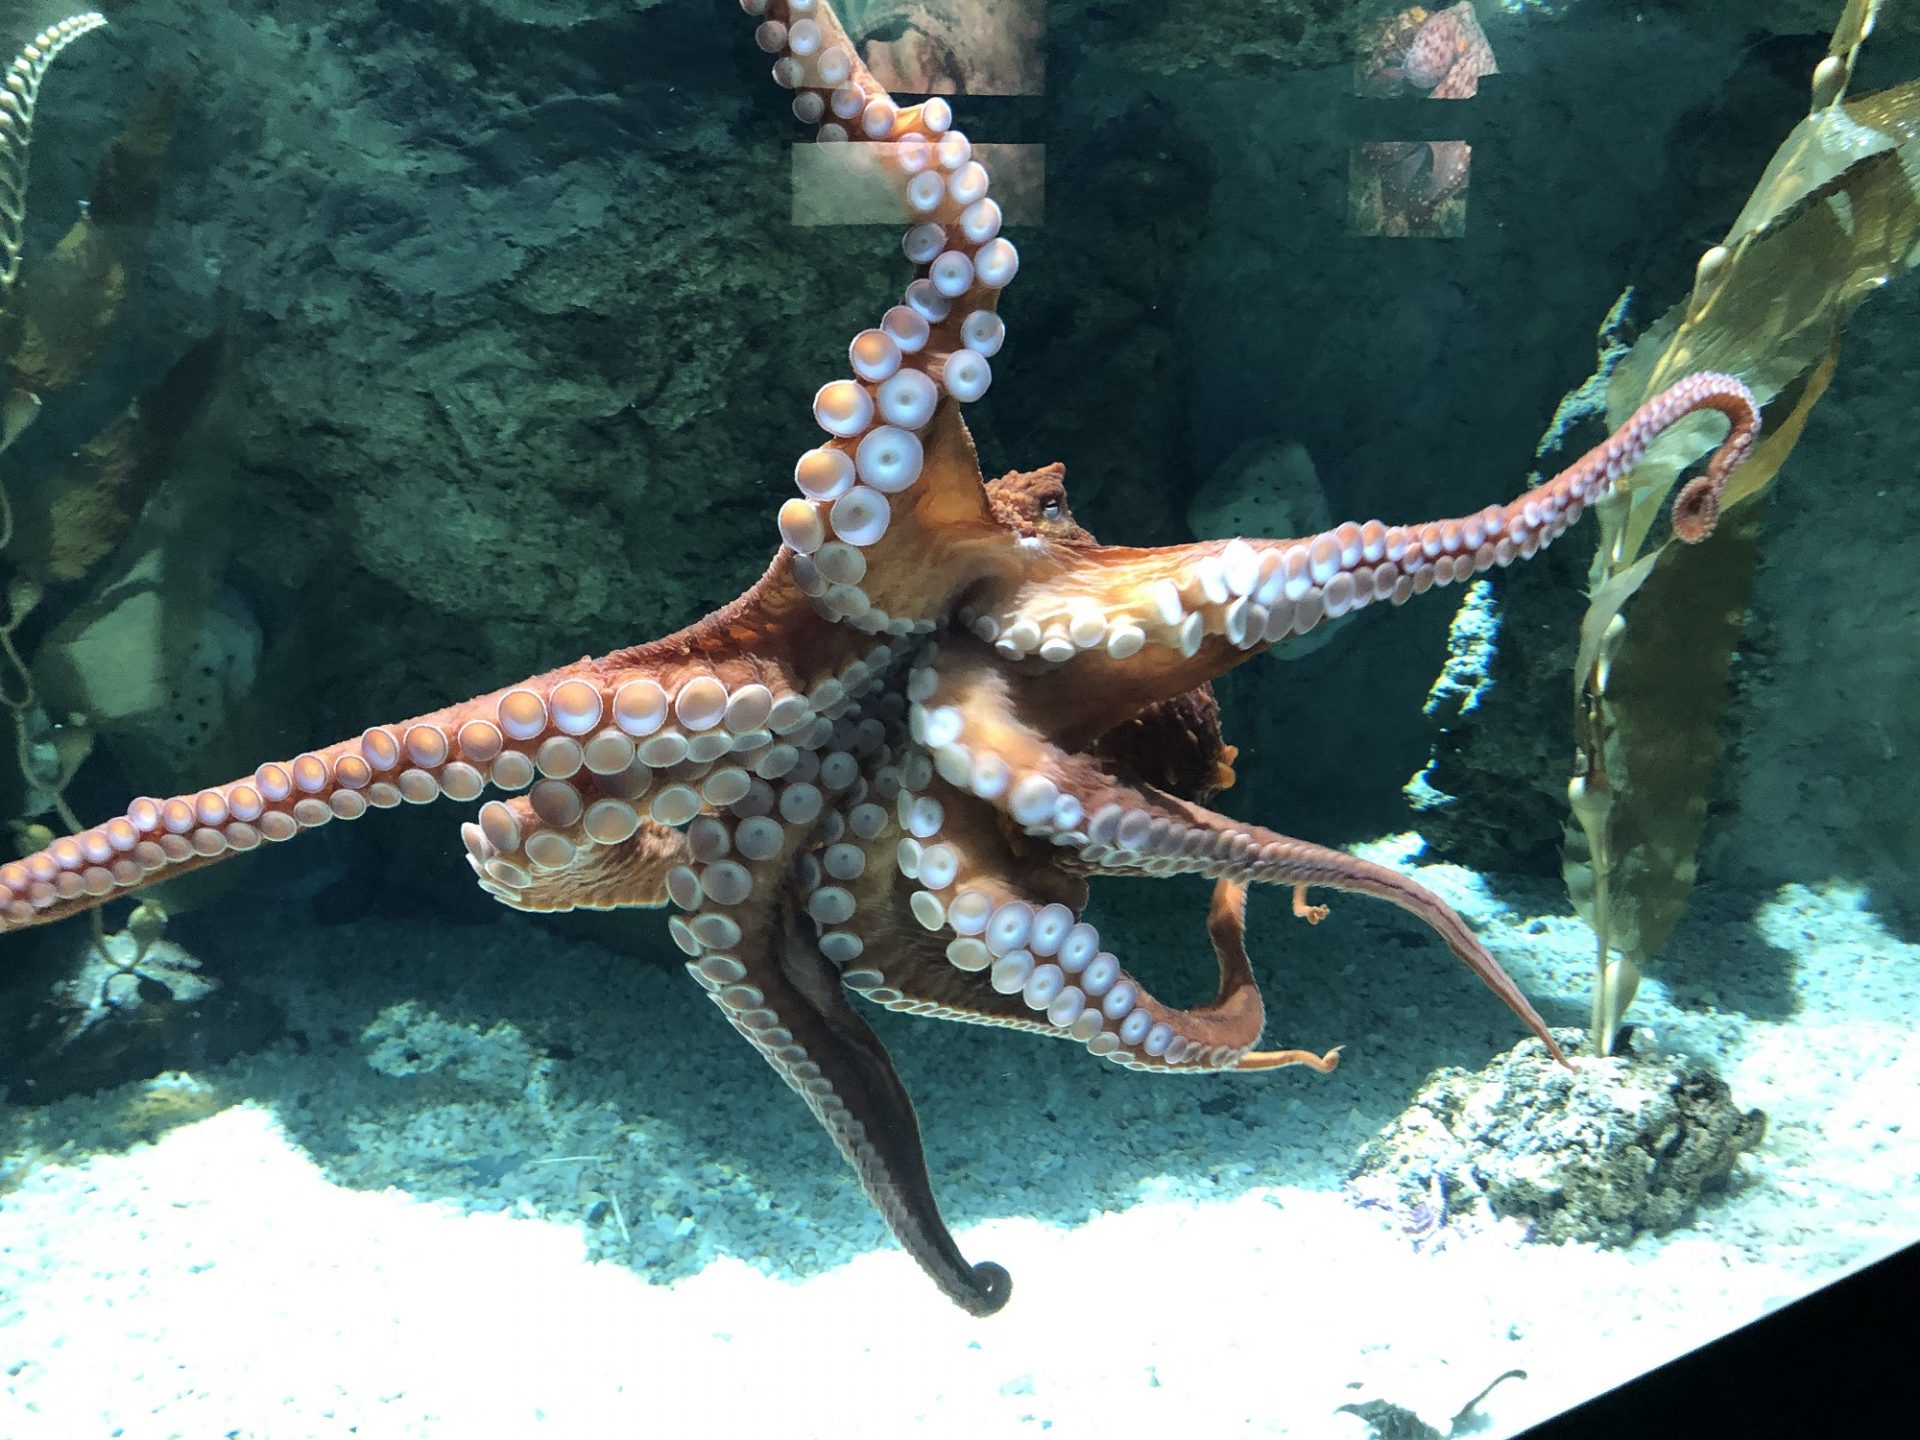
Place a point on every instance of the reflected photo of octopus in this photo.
(887, 770)
(1409, 188)
(1443, 53)
(950, 47)
(1417, 187)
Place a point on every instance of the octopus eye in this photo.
(1051, 507)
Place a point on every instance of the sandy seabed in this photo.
(511, 1183)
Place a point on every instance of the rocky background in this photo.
(521, 342)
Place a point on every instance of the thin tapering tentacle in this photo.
(950, 921)
(974, 722)
(752, 934)
(1159, 622)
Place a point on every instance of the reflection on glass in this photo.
(1442, 52)
(1416, 188)
(1409, 188)
(846, 185)
(951, 47)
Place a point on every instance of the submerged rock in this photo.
(122, 1008)
(1619, 1147)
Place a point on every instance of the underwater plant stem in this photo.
(22, 701)
(1589, 795)
(1599, 1027)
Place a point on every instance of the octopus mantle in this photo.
(887, 769)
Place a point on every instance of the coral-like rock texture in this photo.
(1617, 1148)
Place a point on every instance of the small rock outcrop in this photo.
(1619, 1147)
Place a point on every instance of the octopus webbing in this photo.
(888, 768)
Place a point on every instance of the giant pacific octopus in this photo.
(888, 768)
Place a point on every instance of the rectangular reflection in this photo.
(951, 47)
(1409, 189)
(845, 184)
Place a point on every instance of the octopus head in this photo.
(1033, 504)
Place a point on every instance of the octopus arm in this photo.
(960, 918)
(759, 949)
(613, 754)
(984, 740)
(1152, 623)
(895, 486)
(453, 752)
(848, 1080)
(540, 852)
(901, 525)
(1227, 928)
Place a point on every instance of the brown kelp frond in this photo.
(1835, 216)
(77, 516)
(67, 306)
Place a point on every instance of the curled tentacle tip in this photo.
(1696, 509)
(992, 1288)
